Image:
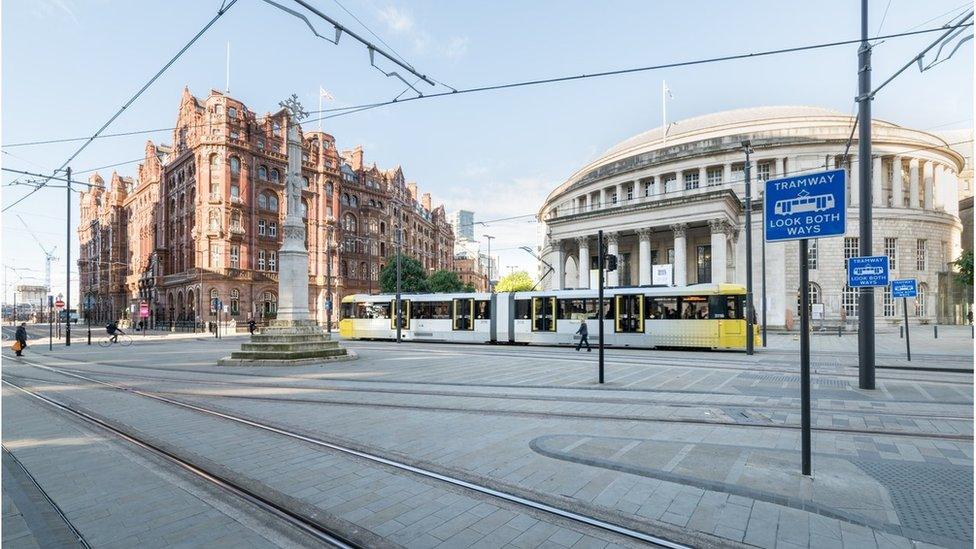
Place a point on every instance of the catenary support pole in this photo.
(908, 343)
(763, 286)
(865, 306)
(67, 269)
(805, 355)
(399, 304)
(750, 310)
(599, 301)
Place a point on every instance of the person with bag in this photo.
(20, 339)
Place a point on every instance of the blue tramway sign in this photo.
(905, 287)
(867, 271)
(805, 206)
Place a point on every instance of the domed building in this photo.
(678, 200)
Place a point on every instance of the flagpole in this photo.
(664, 113)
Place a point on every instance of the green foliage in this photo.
(413, 279)
(965, 266)
(444, 281)
(469, 287)
(519, 281)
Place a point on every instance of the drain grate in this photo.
(932, 498)
(795, 379)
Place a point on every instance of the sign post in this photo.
(800, 208)
(144, 315)
(59, 305)
(50, 323)
(601, 257)
(905, 288)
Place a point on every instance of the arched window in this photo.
(304, 209)
(276, 128)
(263, 173)
(363, 270)
(354, 201)
(273, 202)
(270, 303)
(344, 268)
(214, 163)
(235, 166)
(382, 227)
(263, 201)
(382, 249)
(349, 223)
(214, 222)
(306, 181)
(923, 289)
(814, 298)
(328, 188)
(235, 220)
(273, 262)
(235, 302)
(848, 300)
(344, 199)
(231, 112)
(275, 175)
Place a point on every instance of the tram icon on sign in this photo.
(867, 271)
(804, 203)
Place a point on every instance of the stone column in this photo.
(680, 254)
(897, 185)
(928, 184)
(584, 262)
(939, 184)
(877, 188)
(777, 172)
(913, 194)
(854, 199)
(727, 174)
(644, 257)
(559, 262)
(702, 177)
(604, 197)
(831, 163)
(613, 277)
(952, 193)
(719, 228)
(293, 257)
(658, 185)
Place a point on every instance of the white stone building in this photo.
(681, 202)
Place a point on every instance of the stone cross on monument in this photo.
(293, 338)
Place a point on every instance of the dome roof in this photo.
(716, 122)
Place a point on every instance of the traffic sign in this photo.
(906, 287)
(867, 271)
(59, 304)
(805, 206)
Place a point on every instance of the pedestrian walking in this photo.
(251, 326)
(20, 339)
(583, 333)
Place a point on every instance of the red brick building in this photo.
(204, 218)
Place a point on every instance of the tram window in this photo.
(658, 308)
(717, 306)
(572, 309)
(420, 309)
(694, 307)
(523, 308)
(440, 309)
(482, 310)
(361, 310)
(378, 310)
(348, 311)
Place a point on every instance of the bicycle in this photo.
(124, 340)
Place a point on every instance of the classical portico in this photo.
(682, 203)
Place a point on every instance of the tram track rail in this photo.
(527, 397)
(292, 518)
(372, 457)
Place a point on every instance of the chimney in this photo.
(357, 158)
(425, 201)
(412, 189)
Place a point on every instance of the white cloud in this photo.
(397, 19)
(456, 48)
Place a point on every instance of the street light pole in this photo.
(399, 307)
(489, 237)
(865, 315)
(750, 311)
(67, 283)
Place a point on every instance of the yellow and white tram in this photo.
(708, 316)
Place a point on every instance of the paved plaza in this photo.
(699, 448)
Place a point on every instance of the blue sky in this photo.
(68, 65)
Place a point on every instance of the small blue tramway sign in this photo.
(868, 271)
(905, 287)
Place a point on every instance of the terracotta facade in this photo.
(204, 220)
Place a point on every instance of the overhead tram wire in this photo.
(336, 112)
(223, 9)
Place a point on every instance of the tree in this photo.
(469, 288)
(965, 266)
(413, 279)
(444, 281)
(519, 281)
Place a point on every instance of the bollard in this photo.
(838, 331)
(901, 332)
(936, 327)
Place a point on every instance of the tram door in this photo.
(464, 314)
(543, 314)
(629, 314)
(404, 319)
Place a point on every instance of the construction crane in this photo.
(48, 257)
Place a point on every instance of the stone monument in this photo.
(293, 338)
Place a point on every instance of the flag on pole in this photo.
(323, 94)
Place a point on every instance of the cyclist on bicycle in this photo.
(114, 331)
